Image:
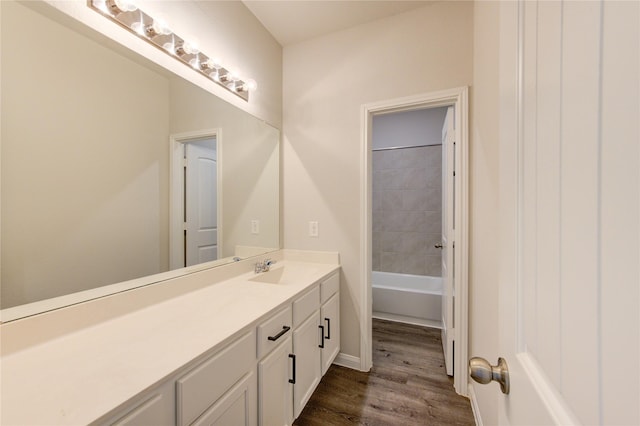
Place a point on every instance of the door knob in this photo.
(482, 372)
(439, 245)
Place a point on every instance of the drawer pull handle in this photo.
(293, 357)
(285, 328)
(321, 345)
(328, 320)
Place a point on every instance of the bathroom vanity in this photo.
(218, 346)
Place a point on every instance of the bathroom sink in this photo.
(282, 275)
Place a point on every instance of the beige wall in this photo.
(327, 81)
(484, 226)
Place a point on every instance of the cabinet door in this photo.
(275, 392)
(157, 408)
(330, 319)
(235, 408)
(306, 347)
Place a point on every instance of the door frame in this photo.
(176, 191)
(459, 98)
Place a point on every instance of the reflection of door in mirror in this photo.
(200, 202)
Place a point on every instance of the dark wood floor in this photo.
(406, 386)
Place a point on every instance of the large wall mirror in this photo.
(94, 144)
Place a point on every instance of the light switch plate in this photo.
(313, 228)
(255, 226)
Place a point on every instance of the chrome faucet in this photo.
(263, 266)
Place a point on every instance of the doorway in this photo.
(408, 216)
(195, 198)
(456, 165)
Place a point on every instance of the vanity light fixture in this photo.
(157, 32)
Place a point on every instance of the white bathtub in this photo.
(414, 299)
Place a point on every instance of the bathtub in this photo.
(414, 299)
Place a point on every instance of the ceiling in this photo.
(292, 21)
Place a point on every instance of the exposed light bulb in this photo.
(186, 48)
(233, 76)
(206, 65)
(159, 27)
(190, 48)
(250, 85)
(101, 5)
(125, 5)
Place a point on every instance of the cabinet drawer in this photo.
(274, 328)
(329, 287)
(305, 306)
(206, 383)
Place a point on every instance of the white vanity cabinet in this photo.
(238, 351)
(221, 389)
(293, 362)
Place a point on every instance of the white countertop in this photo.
(79, 377)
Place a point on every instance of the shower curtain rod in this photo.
(405, 147)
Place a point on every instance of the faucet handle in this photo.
(269, 262)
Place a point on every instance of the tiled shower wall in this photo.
(407, 210)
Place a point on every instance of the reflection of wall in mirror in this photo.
(90, 207)
(83, 182)
(250, 157)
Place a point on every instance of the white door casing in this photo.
(201, 202)
(458, 98)
(448, 332)
(569, 212)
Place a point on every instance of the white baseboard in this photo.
(349, 361)
(407, 320)
(474, 405)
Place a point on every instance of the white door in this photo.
(201, 203)
(448, 138)
(569, 216)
